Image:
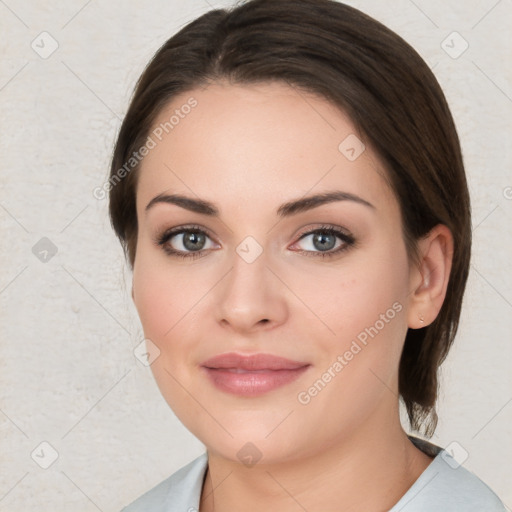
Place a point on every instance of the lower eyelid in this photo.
(346, 241)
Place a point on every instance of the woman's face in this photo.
(260, 277)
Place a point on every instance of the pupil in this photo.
(320, 239)
(192, 240)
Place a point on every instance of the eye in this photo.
(325, 241)
(194, 242)
(185, 241)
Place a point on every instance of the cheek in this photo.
(357, 369)
(362, 310)
(165, 305)
(362, 291)
(170, 300)
(152, 298)
(163, 295)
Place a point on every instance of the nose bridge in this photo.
(248, 294)
(248, 277)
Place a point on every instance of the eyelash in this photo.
(347, 238)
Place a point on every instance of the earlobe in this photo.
(430, 278)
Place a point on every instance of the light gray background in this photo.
(67, 369)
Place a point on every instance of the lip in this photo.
(252, 374)
(252, 362)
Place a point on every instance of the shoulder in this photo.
(446, 486)
(179, 492)
(462, 490)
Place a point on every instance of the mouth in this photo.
(251, 375)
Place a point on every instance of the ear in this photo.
(429, 279)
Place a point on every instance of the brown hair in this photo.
(335, 51)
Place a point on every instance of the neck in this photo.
(369, 470)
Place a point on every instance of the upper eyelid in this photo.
(170, 233)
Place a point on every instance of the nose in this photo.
(250, 297)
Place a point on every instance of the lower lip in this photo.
(252, 383)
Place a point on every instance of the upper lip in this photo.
(252, 362)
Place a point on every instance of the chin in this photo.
(252, 451)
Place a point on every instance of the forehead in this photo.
(269, 141)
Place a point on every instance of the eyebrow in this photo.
(285, 210)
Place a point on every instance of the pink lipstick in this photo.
(251, 375)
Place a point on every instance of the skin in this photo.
(248, 149)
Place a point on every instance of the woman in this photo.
(289, 189)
